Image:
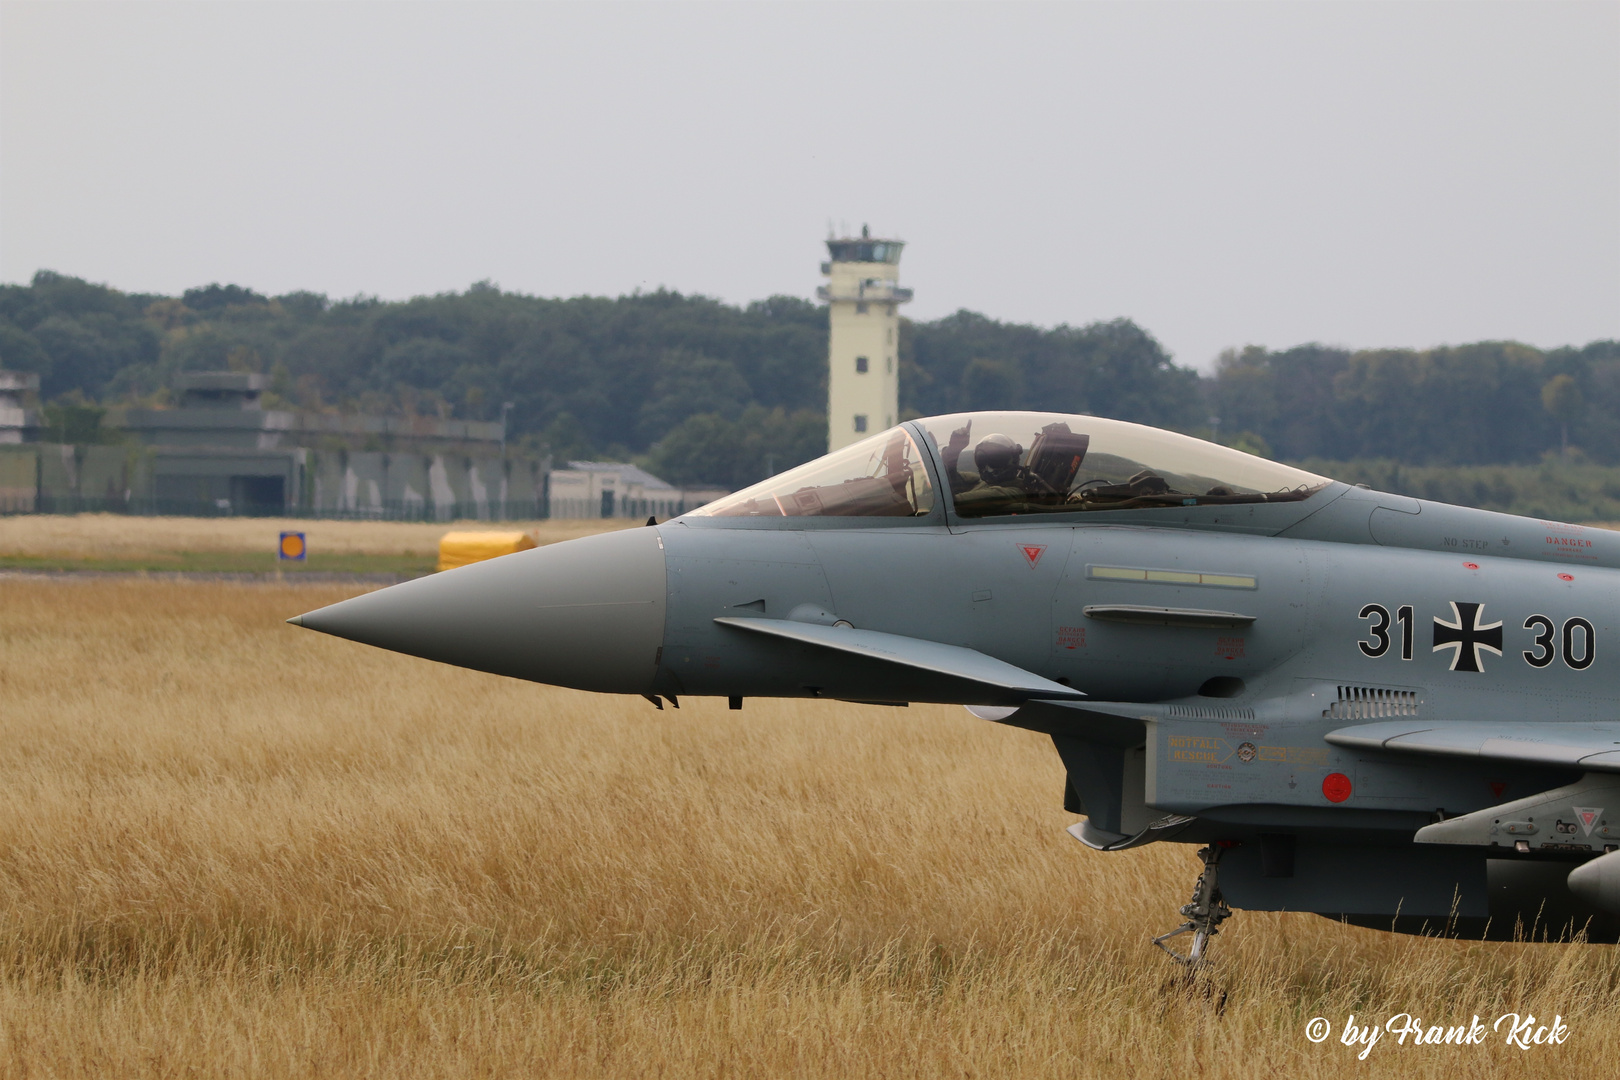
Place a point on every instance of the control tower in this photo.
(863, 346)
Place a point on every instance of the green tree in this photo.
(992, 384)
(21, 351)
(619, 376)
(73, 420)
(689, 383)
(712, 450)
(1561, 397)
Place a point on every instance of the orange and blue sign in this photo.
(292, 547)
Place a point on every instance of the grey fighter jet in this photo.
(1392, 712)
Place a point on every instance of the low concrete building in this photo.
(614, 489)
(440, 486)
(220, 452)
(222, 409)
(17, 421)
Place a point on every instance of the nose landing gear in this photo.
(1204, 912)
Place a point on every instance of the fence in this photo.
(395, 510)
(41, 478)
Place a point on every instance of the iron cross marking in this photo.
(1466, 637)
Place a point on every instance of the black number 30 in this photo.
(1578, 634)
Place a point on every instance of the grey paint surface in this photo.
(950, 672)
(1389, 664)
(584, 614)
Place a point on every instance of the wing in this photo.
(1594, 746)
(917, 670)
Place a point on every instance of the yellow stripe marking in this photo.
(1172, 577)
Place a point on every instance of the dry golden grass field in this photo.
(230, 847)
(91, 535)
(125, 542)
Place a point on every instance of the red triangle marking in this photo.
(1032, 552)
(1588, 816)
(1497, 787)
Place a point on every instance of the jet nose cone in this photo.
(586, 613)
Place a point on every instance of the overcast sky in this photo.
(1224, 174)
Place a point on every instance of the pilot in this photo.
(1000, 478)
(997, 458)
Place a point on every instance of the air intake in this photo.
(1372, 702)
(1208, 712)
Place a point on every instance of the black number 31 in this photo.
(1379, 630)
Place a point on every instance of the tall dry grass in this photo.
(122, 535)
(231, 847)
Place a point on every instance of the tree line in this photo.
(1490, 403)
(710, 393)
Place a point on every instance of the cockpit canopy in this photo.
(997, 464)
(883, 476)
(1026, 463)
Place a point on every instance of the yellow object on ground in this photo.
(460, 548)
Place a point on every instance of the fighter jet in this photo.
(1387, 711)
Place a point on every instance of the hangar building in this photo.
(221, 452)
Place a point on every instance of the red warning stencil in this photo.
(1588, 816)
(1336, 787)
(1032, 552)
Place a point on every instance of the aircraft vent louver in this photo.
(1370, 702)
(1208, 712)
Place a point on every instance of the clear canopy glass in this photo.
(1025, 463)
(883, 476)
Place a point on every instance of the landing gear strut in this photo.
(1205, 911)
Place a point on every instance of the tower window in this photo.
(888, 363)
(860, 365)
(860, 422)
(860, 308)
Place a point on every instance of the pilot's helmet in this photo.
(997, 458)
